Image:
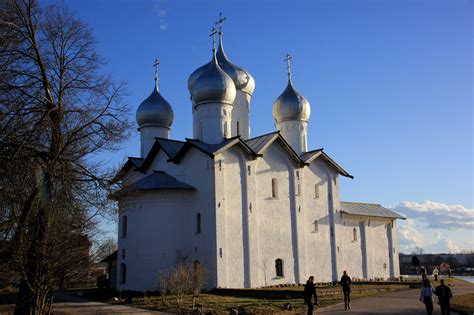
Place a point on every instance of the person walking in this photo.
(435, 273)
(423, 273)
(426, 296)
(346, 290)
(309, 292)
(444, 295)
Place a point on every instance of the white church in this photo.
(255, 211)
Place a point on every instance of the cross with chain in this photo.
(213, 35)
(157, 62)
(288, 63)
(220, 21)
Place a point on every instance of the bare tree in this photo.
(185, 277)
(58, 110)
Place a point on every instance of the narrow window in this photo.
(297, 174)
(249, 169)
(220, 165)
(274, 188)
(298, 190)
(316, 226)
(238, 128)
(198, 223)
(316, 191)
(124, 226)
(225, 129)
(279, 267)
(123, 273)
(354, 234)
(123, 253)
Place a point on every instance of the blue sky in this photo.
(389, 83)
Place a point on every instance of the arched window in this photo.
(124, 226)
(123, 273)
(274, 188)
(238, 128)
(279, 267)
(316, 191)
(354, 234)
(198, 223)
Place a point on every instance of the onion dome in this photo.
(211, 84)
(155, 110)
(242, 79)
(291, 105)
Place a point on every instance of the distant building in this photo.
(255, 211)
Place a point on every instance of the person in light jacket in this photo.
(435, 273)
(426, 296)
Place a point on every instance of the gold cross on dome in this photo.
(288, 58)
(213, 35)
(220, 21)
(157, 62)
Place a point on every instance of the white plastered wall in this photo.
(240, 114)
(163, 223)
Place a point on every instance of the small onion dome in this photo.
(155, 111)
(242, 79)
(213, 85)
(291, 105)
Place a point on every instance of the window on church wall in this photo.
(316, 191)
(298, 175)
(238, 128)
(124, 226)
(298, 190)
(274, 188)
(225, 129)
(123, 273)
(198, 223)
(354, 235)
(249, 170)
(279, 267)
(316, 226)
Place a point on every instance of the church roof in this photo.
(157, 180)
(170, 147)
(309, 156)
(368, 209)
(132, 162)
(212, 149)
(258, 144)
(261, 143)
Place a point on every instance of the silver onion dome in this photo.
(291, 105)
(155, 111)
(242, 79)
(211, 85)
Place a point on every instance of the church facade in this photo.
(254, 211)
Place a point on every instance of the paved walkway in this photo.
(66, 304)
(394, 303)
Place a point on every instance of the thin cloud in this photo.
(162, 15)
(437, 215)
